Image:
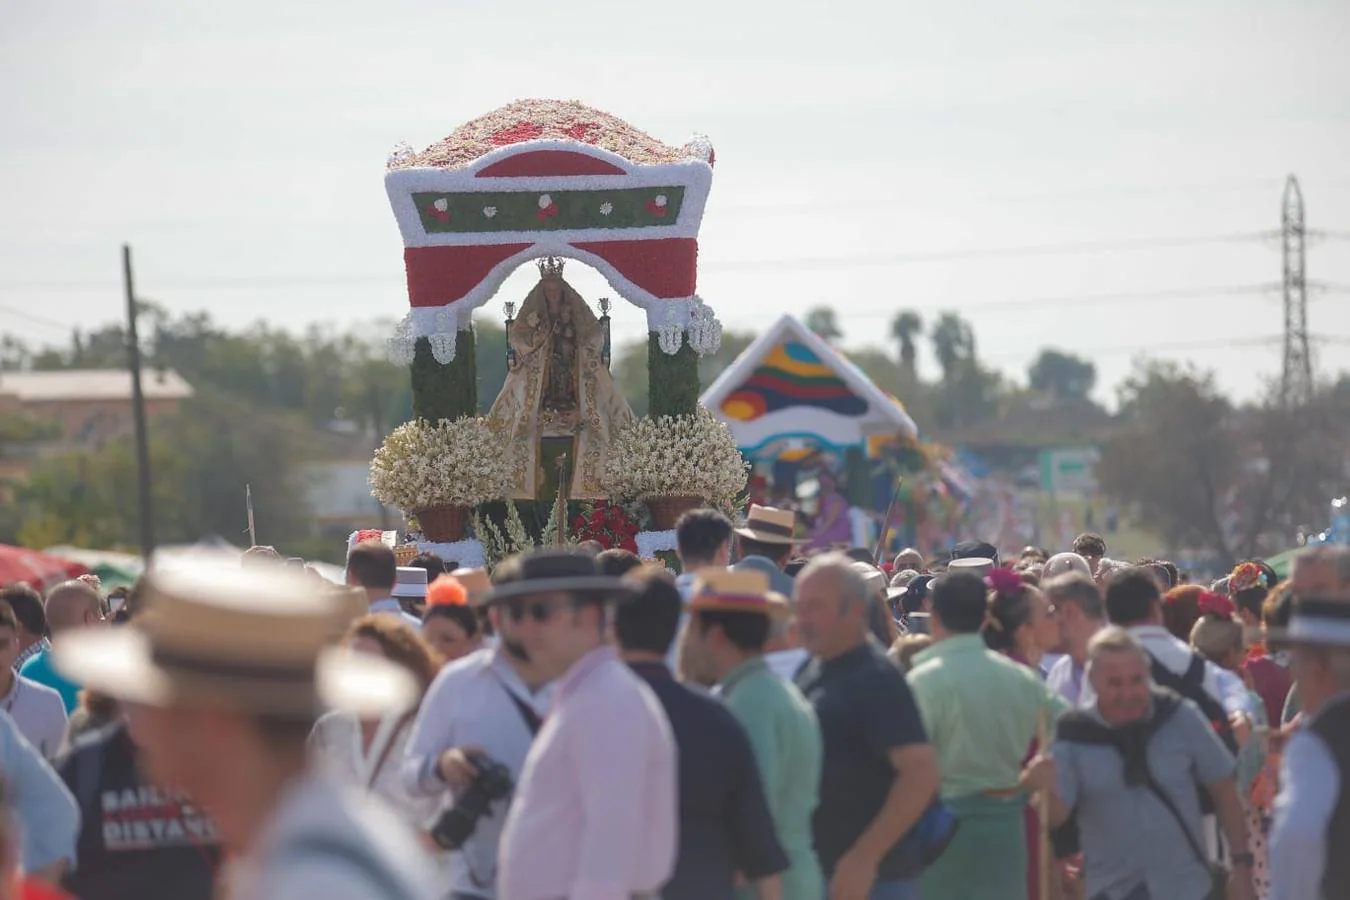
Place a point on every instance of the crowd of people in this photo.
(584, 724)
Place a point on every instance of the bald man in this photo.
(70, 606)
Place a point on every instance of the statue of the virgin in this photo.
(558, 387)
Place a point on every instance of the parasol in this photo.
(38, 569)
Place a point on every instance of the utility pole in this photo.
(138, 412)
(1296, 383)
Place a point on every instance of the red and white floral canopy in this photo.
(550, 178)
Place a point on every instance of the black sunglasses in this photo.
(539, 610)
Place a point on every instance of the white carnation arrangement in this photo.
(422, 465)
(676, 456)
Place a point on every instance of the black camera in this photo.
(492, 783)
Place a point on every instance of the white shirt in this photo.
(356, 827)
(391, 605)
(469, 705)
(39, 712)
(1224, 686)
(785, 663)
(1310, 784)
(337, 744)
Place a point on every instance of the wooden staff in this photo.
(562, 500)
(886, 525)
(1043, 811)
(248, 505)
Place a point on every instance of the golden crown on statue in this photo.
(550, 267)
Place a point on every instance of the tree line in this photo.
(269, 401)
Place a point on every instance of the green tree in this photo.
(201, 461)
(822, 321)
(1062, 375)
(905, 328)
(953, 344)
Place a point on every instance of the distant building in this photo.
(339, 498)
(90, 406)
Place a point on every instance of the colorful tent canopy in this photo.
(790, 385)
(38, 569)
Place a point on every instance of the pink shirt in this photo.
(595, 813)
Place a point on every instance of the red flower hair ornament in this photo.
(1245, 577)
(1004, 582)
(1216, 605)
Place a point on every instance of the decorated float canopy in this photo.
(792, 388)
(541, 178)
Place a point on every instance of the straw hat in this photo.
(737, 590)
(258, 639)
(769, 525)
(1320, 582)
(475, 581)
(547, 571)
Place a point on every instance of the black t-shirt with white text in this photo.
(865, 710)
(135, 840)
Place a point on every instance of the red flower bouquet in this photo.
(607, 523)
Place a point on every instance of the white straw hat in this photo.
(260, 639)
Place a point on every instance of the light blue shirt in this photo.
(1309, 786)
(46, 810)
(684, 583)
(40, 669)
(390, 605)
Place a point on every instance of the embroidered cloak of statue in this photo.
(559, 387)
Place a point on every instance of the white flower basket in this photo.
(676, 456)
(423, 465)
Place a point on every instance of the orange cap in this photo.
(446, 591)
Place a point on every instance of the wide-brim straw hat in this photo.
(1320, 583)
(555, 571)
(737, 590)
(260, 640)
(476, 582)
(769, 525)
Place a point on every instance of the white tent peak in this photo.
(884, 415)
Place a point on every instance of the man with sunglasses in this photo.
(491, 702)
(595, 814)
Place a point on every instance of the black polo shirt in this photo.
(865, 711)
(725, 826)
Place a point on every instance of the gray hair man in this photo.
(1129, 770)
(879, 772)
(1078, 602)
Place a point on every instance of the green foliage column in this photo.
(445, 392)
(672, 379)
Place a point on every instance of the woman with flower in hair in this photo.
(1251, 585)
(1022, 624)
(1218, 636)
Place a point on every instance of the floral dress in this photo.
(1257, 785)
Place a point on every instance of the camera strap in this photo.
(532, 720)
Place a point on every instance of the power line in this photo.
(1149, 349)
(37, 320)
(796, 263)
(1052, 302)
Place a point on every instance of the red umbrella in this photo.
(38, 569)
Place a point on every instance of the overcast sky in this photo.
(868, 155)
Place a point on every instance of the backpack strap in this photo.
(1194, 676)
